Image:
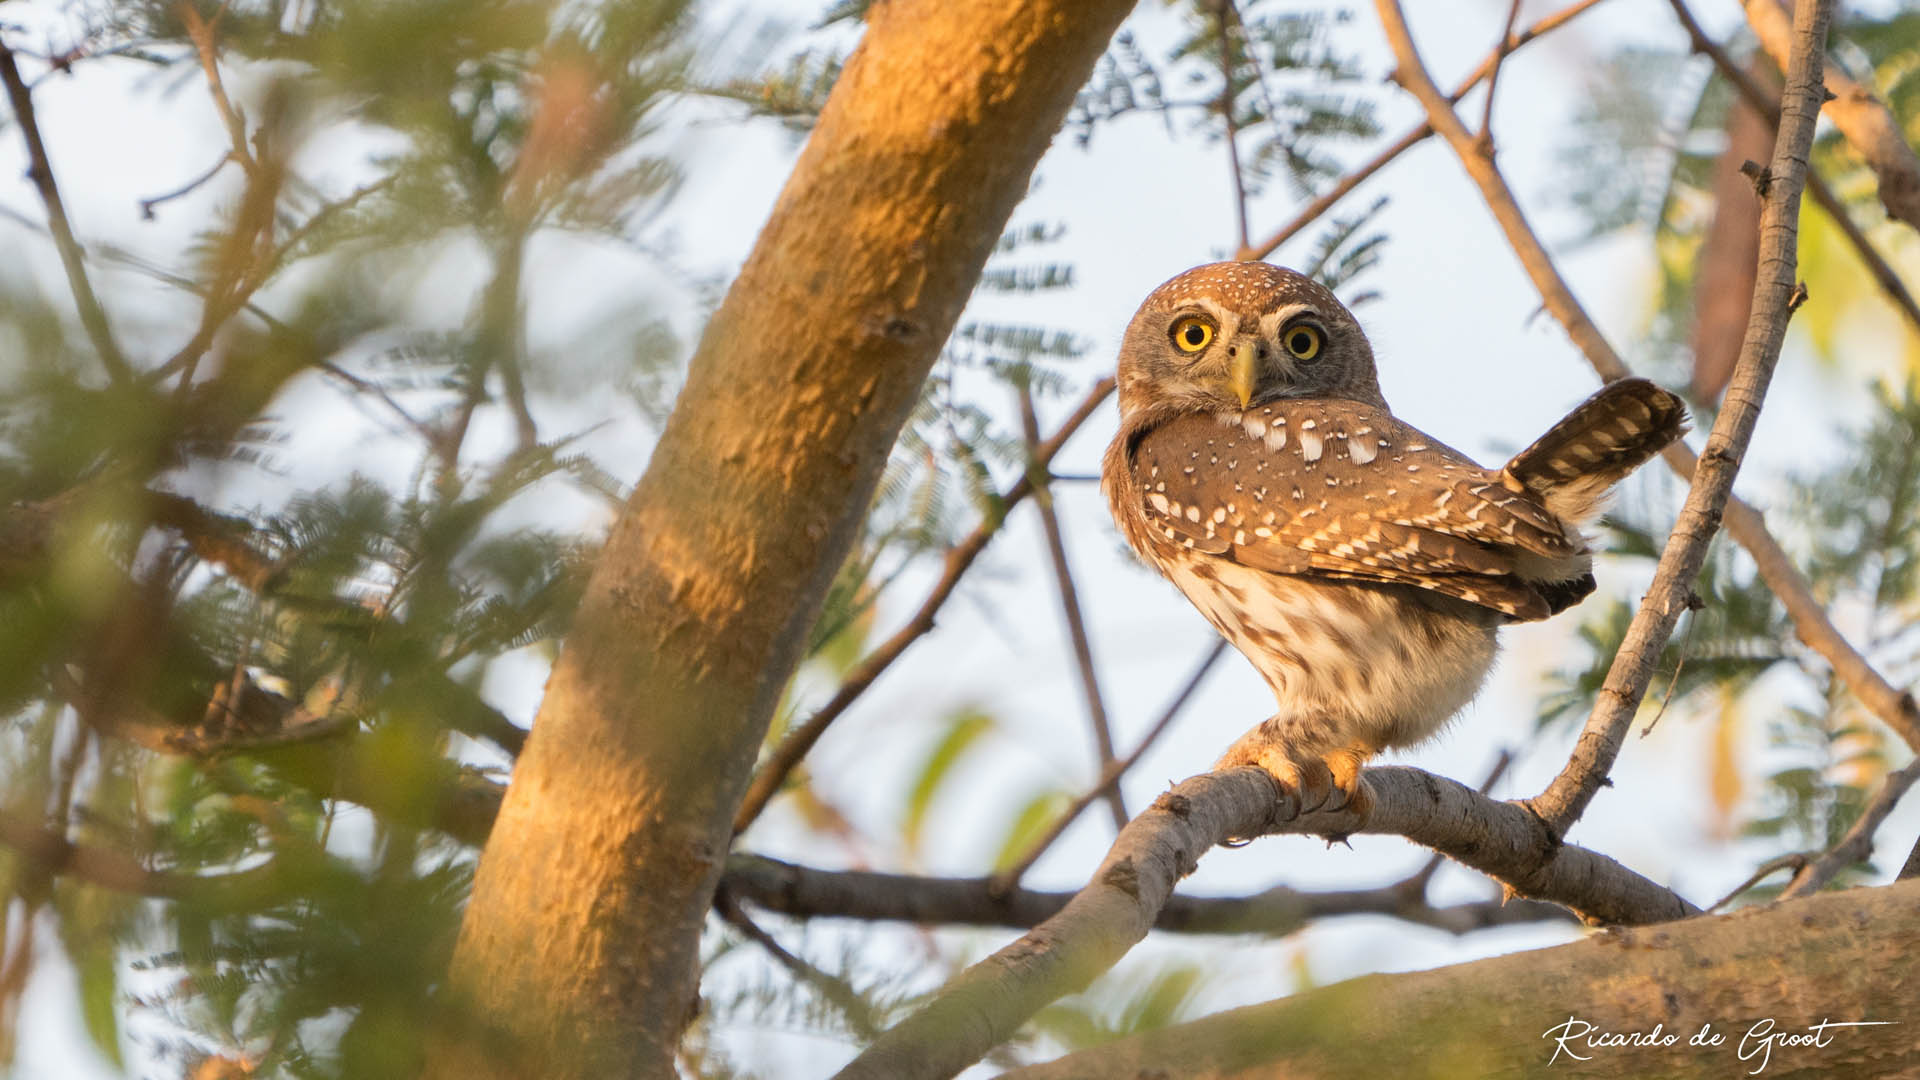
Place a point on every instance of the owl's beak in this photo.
(1242, 372)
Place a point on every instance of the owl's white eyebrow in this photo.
(1278, 317)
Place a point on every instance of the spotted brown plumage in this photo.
(1361, 565)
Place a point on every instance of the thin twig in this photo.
(200, 32)
(1070, 609)
(1562, 803)
(1757, 98)
(1500, 53)
(1795, 860)
(147, 204)
(1006, 879)
(1857, 845)
(1313, 210)
(857, 1010)
(773, 772)
(92, 316)
(1227, 104)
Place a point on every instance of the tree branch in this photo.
(92, 316)
(1110, 776)
(1841, 957)
(1627, 679)
(988, 1002)
(807, 893)
(1857, 845)
(614, 831)
(774, 771)
(1070, 609)
(1863, 119)
(1485, 138)
(1224, 16)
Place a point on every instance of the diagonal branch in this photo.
(1857, 845)
(92, 316)
(773, 772)
(1224, 18)
(1707, 498)
(986, 1004)
(1006, 879)
(1070, 609)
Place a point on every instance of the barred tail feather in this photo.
(1578, 461)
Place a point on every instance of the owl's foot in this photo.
(1329, 781)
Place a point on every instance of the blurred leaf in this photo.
(1033, 819)
(963, 730)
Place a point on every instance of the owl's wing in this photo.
(1340, 489)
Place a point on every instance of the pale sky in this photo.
(1462, 355)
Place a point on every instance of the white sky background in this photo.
(1463, 355)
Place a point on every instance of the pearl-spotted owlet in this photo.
(1362, 566)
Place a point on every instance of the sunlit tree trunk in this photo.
(578, 952)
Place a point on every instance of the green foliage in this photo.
(270, 706)
(1291, 91)
(1642, 154)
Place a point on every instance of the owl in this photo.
(1363, 567)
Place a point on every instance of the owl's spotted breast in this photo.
(1340, 489)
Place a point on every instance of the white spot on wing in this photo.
(1309, 442)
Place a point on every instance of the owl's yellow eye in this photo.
(1302, 341)
(1192, 334)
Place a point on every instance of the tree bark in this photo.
(987, 1003)
(578, 951)
(1838, 957)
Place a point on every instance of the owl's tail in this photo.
(1576, 463)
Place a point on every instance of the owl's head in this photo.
(1229, 335)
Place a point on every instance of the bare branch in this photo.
(1485, 139)
(988, 1002)
(1227, 102)
(1857, 845)
(773, 772)
(1313, 210)
(1070, 608)
(1796, 861)
(92, 316)
(1627, 679)
(859, 1013)
(804, 892)
(1110, 777)
(1856, 110)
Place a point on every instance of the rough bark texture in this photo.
(577, 955)
(1839, 957)
(984, 1005)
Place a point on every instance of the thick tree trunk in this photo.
(1760, 979)
(577, 956)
